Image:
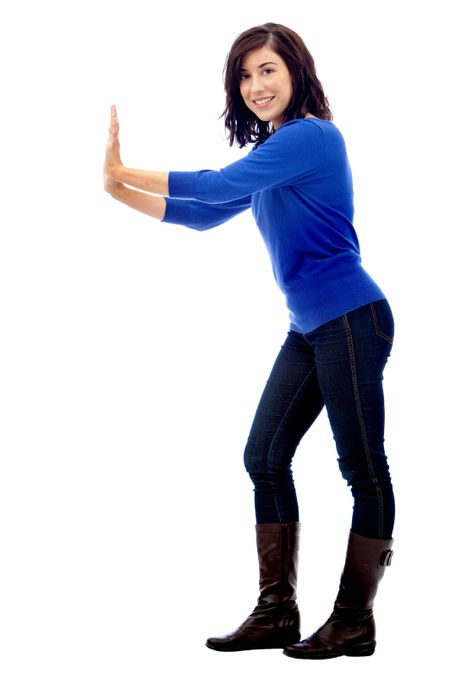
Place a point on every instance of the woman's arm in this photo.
(189, 213)
(147, 204)
(202, 215)
(294, 154)
(156, 182)
(193, 214)
(296, 151)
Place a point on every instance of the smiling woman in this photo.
(266, 85)
(298, 183)
(266, 59)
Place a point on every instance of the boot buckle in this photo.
(386, 558)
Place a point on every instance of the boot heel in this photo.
(365, 649)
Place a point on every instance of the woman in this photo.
(297, 180)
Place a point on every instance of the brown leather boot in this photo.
(275, 621)
(350, 630)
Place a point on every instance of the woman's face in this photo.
(265, 85)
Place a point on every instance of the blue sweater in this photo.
(298, 183)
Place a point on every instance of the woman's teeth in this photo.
(264, 100)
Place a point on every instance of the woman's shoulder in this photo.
(307, 122)
(310, 129)
(306, 133)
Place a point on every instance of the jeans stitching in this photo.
(374, 478)
(377, 329)
(278, 430)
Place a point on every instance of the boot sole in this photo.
(229, 648)
(243, 648)
(357, 651)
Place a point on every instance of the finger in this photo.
(116, 120)
(114, 124)
(113, 116)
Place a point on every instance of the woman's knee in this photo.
(365, 471)
(264, 471)
(250, 457)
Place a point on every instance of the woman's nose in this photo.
(256, 85)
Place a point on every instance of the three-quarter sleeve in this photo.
(202, 215)
(292, 153)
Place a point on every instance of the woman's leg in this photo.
(351, 353)
(290, 403)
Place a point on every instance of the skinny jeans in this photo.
(338, 365)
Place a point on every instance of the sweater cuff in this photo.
(177, 211)
(182, 184)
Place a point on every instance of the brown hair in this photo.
(307, 93)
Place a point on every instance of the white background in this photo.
(133, 353)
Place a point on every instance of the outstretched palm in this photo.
(112, 157)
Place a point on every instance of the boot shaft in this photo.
(278, 547)
(365, 564)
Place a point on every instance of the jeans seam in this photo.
(377, 329)
(283, 420)
(362, 425)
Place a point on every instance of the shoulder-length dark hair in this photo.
(307, 93)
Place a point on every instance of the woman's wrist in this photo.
(112, 186)
(117, 190)
(116, 172)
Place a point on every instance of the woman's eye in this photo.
(267, 70)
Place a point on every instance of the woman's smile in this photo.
(263, 70)
(263, 101)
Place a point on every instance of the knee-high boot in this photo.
(275, 621)
(350, 630)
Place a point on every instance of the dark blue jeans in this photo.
(340, 365)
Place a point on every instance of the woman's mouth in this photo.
(263, 101)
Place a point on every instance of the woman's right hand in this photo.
(112, 156)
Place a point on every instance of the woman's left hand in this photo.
(112, 157)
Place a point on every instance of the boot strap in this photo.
(385, 558)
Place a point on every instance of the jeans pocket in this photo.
(383, 319)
